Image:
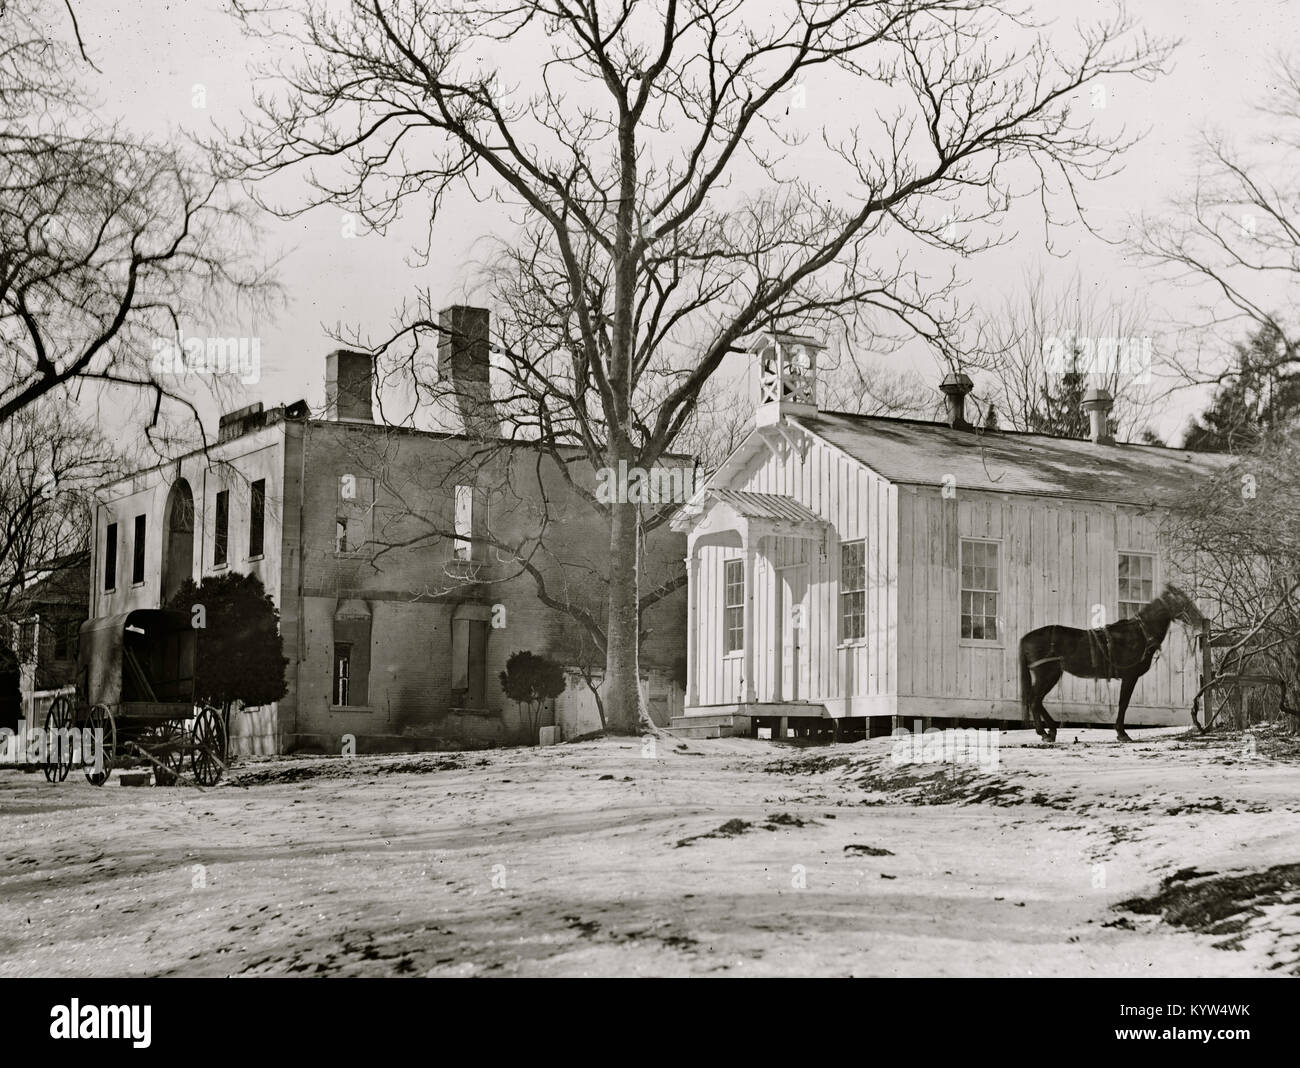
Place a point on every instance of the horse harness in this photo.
(1099, 639)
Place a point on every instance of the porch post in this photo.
(692, 626)
(750, 553)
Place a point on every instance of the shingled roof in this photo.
(914, 452)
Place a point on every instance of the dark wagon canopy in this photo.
(141, 657)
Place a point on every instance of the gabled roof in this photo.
(914, 452)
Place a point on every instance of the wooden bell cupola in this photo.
(787, 376)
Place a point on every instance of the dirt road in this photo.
(728, 857)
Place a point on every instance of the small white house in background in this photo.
(857, 572)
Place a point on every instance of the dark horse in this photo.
(1122, 650)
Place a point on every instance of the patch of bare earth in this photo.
(1237, 905)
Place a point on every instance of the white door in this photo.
(794, 633)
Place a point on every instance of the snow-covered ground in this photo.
(617, 857)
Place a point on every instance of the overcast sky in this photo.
(152, 55)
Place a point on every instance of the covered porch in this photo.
(748, 610)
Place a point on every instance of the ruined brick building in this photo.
(386, 550)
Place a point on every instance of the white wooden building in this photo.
(875, 571)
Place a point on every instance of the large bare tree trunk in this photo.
(622, 656)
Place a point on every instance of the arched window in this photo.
(178, 539)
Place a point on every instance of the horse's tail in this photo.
(1026, 685)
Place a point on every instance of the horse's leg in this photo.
(1049, 675)
(1125, 692)
(1028, 685)
(1032, 700)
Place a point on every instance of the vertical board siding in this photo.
(1057, 560)
(858, 505)
(1058, 564)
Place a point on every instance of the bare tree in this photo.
(106, 240)
(1234, 241)
(1236, 536)
(864, 386)
(640, 261)
(1048, 343)
(49, 463)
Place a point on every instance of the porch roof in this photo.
(751, 515)
(774, 506)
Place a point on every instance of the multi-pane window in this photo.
(110, 557)
(979, 590)
(221, 540)
(257, 517)
(1137, 580)
(853, 590)
(342, 672)
(733, 600)
(137, 551)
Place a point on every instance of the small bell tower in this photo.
(787, 376)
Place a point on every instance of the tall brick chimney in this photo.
(464, 366)
(349, 386)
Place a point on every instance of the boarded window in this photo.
(853, 590)
(110, 557)
(221, 540)
(463, 548)
(1137, 580)
(256, 517)
(979, 590)
(137, 551)
(733, 600)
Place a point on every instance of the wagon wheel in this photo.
(103, 728)
(169, 759)
(208, 757)
(58, 724)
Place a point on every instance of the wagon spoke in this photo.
(207, 758)
(58, 739)
(103, 728)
